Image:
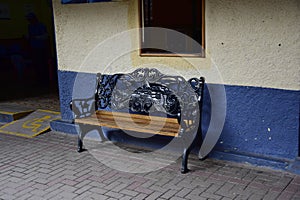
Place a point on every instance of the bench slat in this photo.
(134, 122)
(120, 123)
(141, 120)
(103, 113)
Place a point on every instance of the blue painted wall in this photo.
(65, 83)
(261, 123)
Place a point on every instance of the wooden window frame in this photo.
(201, 54)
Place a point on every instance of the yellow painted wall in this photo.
(252, 43)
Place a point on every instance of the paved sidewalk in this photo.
(48, 167)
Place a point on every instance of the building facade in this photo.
(251, 48)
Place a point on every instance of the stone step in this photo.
(11, 112)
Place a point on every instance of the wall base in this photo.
(255, 160)
(6, 118)
(64, 126)
(294, 167)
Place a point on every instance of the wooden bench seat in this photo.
(133, 122)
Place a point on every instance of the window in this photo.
(186, 17)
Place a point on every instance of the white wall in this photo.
(252, 43)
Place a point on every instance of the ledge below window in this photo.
(83, 1)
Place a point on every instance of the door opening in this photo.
(27, 49)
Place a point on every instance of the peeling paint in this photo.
(270, 138)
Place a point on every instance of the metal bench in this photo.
(145, 101)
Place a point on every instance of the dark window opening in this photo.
(186, 17)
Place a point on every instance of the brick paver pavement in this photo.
(48, 167)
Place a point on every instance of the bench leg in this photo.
(83, 130)
(197, 141)
(185, 156)
(79, 144)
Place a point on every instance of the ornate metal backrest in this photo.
(145, 90)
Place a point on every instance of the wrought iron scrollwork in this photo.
(154, 97)
(106, 84)
(82, 107)
(197, 85)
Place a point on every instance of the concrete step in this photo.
(11, 112)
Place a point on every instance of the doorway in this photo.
(28, 66)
